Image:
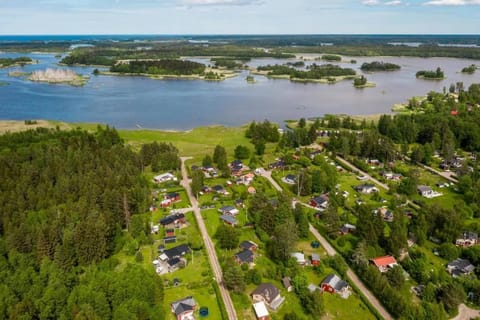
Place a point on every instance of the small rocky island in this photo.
(58, 76)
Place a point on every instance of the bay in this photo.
(125, 102)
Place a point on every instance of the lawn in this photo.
(195, 143)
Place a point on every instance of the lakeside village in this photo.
(224, 203)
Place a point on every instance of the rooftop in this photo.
(384, 261)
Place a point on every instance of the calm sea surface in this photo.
(125, 102)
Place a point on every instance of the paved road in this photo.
(465, 313)
(331, 252)
(443, 174)
(212, 255)
(353, 277)
(268, 176)
(360, 172)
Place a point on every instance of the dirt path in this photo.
(212, 255)
(465, 313)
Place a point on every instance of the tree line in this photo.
(70, 200)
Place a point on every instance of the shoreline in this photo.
(11, 126)
(169, 77)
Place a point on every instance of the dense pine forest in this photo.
(314, 72)
(163, 67)
(69, 201)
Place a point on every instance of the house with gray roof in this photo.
(334, 284)
(269, 294)
(184, 308)
(460, 267)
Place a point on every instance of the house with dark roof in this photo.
(385, 213)
(279, 164)
(245, 256)
(219, 189)
(320, 202)
(177, 252)
(460, 267)
(230, 220)
(287, 284)
(249, 245)
(290, 179)
(173, 220)
(239, 203)
(173, 196)
(175, 263)
(384, 263)
(184, 308)
(347, 228)
(334, 284)
(425, 191)
(171, 239)
(269, 294)
(467, 239)
(366, 188)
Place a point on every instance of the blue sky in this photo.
(239, 16)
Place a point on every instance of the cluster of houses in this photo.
(268, 297)
(301, 260)
(456, 163)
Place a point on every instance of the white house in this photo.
(164, 177)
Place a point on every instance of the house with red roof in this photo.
(384, 263)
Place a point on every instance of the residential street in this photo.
(360, 172)
(331, 252)
(212, 255)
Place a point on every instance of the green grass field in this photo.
(195, 143)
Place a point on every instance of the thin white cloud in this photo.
(219, 2)
(394, 3)
(452, 3)
(371, 2)
(382, 3)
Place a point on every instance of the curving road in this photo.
(331, 251)
(211, 253)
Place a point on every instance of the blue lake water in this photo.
(125, 102)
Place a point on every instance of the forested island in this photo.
(326, 72)
(167, 69)
(229, 62)
(470, 69)
(159, 67)
(12, 62)
(379, 66)
(431, 74)
(331, 58)
(362, 82)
